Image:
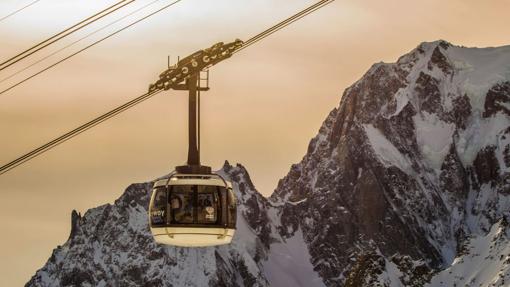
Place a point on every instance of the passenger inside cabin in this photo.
(206, 208)
(183, 211)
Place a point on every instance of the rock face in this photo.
(412, 163)
(406, 184)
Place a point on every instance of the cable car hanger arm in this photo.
(173, 77)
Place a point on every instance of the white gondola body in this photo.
(195, 232)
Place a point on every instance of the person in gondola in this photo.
(207, 210)
(175, 205)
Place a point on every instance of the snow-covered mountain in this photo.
(415, 161)
(406, 184)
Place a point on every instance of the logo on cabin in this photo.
(158, 213)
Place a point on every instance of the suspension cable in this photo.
(13, 60)
(118, 110)
(69, 135)
(79, 40)
(93, 44)
(283, 24)
(19, 10)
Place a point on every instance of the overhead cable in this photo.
(30, 51)
(284, 24)
(19, 10)
(79, 40)
(91, 45)
(69, 135)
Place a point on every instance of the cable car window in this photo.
(158, 210)
(181, 204)
(207, 204)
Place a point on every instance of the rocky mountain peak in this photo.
(412, 161)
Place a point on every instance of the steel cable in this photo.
(19, 10)
(69, 135)
(284, 24)
(30, 51)
(93, 44)
(79, 40)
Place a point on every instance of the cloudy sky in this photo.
(264, 106)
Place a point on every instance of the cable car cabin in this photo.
(193, 210)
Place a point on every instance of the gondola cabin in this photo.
(193, 210)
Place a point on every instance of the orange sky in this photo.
(264, 106)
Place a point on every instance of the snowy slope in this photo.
(289, 264)
(484, 261)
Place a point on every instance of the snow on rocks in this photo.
(434, 138)
(484, 260)
(387, 153)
